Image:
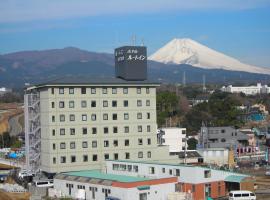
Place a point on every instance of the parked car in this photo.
(242, 195)
(267, 173)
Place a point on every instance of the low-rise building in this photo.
(248, 90)
(97, 185)
(173, 137)
(221, 137)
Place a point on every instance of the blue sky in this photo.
(239, 28)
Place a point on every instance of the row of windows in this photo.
(85, 158)
(72, 131)
(83, 90)
(72, 145)
(105, 116)
(93, 104)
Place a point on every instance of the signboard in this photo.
(131, 62)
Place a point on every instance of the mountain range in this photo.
(19, 68)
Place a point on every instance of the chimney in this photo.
(131, 63)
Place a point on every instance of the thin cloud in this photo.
(30, 10)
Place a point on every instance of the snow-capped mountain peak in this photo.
(188, 51)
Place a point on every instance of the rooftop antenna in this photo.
(184, 78)
(133, 40)
(204, 87)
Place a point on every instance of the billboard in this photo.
(131, 62)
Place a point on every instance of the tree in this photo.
(192, 143)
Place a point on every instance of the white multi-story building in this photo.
(248, 90)
(76, 123)
(173, 137)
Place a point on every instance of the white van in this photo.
(241, 195)
(43, 183)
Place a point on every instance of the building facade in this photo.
(173, 137)
(221, 137)
(248, 90)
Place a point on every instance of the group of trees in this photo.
(9, 141)
(11, 97)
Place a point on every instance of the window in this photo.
(125, 90)
(148, 128)
(115, 143)
(114, 103)
(223, 131)
(126, 117)
(84, 144)
(93, 90)
(83, 90)
(54, 146)
(95, 157)
(147, 90)
(127, 155)
(83, 104)
(73, 159)
(72, 131)
(62, 145)
(54, 160)
(53, 105)
(139, 115)
(147, 102)
(72, 145)
(53, 132)
(163, 170)
(139, 91)
(139, 103)
(140, 141)
(223, 140)
(93, 117)
(126, 142)
(63, 159)
(84, 117)
(84, 130)
(115, 129)
(207, 173)
(149, 141)
(104, 90)
(105, 130)
(71, 90)
(151, 170)
(139, 128)
(105, 116)
(106, 156)
(53, 118)
(93, 104)
(94, 144)
(72, 118)
(62, 118)
(177, 172)
(148, 115)
(115, 155)
(126, 129)
(71, 104)
(170, 171)
(105, 103)
(140, 154)
(114, 116)
(85, 158)
(149, 154)
(114, 90)
(62, 131)
(61, 90)
(125, 103)
(94, 130)
(106, 143)
(61, 104)
(52, 90)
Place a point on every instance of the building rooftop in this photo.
(96, 174)
(90, 80)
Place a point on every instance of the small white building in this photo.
(95, 185)
(173, 137)
(248, 90)
(219, 156)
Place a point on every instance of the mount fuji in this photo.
(187, 51)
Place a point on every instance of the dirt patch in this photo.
(14, 196)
